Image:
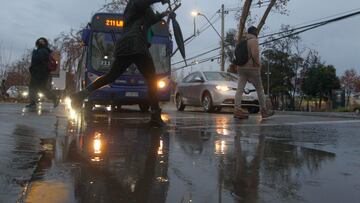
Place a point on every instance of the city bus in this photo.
(99, 39)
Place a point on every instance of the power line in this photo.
(208, 25)
(309, 27)
(198, 62)
(292, 32)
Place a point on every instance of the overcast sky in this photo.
(23, 21)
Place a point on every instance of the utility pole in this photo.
(222, 38)
(268, 78)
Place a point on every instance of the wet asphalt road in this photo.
(49, 156)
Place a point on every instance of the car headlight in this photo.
(161, 84)
(25, 94)
(222, 88)
(41, 95)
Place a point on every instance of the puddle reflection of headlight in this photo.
(165, 117)
(220, 147)
(68, 102)
(161, 147)
(72, 114)
(96, 159)
(222, 131)
(97, 143)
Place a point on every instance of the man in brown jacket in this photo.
(251, 72)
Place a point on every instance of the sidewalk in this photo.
(322, 114)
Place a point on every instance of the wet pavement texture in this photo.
(49, 156)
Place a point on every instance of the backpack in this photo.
(53, 62)
(241, 53)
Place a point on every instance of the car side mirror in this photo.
(199, 80)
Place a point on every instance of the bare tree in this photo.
(18, 72)
(278, 5)
(349, 81)
(113, 6)
(70, 46)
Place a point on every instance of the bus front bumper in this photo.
(125, 95)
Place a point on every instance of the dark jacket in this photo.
(39, 63)
(138, 17)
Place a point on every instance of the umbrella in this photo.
(177, 31)
(178, 37)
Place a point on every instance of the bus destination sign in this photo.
(107, 22)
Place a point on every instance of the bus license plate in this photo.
(132, 94)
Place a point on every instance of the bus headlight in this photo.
(161, 84)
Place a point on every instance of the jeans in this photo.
(146, 67)
(252, 75)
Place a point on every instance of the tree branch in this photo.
(266, 14)
(244, 15)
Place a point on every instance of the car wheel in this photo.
(179, 103)
(207, 103)
(144, 107)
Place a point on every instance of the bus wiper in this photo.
(113, 36)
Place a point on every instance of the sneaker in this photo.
(241, 114)
(267, 114)
(156, 120)
(77, 99)
(31, 105)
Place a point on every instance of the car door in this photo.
(197, 84)
(183, 88)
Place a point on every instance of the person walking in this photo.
(40, 74)
(132, 48)
(250, 71)
(3, 88)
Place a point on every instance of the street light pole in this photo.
(222, 35)
(200, 14)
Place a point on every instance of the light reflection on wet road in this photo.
(116, 157)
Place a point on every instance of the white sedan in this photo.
(213, 90)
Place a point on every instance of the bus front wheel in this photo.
(144, 107)
(88, 106)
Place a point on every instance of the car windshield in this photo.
(103, 47)
(220, 76)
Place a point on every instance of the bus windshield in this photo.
(102, 51)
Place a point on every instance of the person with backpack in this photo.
(40, 68)
(247, 58)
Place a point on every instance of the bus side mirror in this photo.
(85, 36)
